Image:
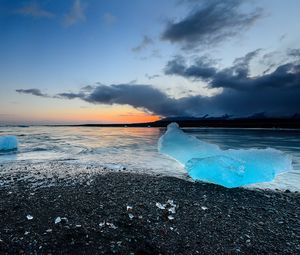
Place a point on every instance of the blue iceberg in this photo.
(8, 143)
(229, 168)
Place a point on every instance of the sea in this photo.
(135, 148)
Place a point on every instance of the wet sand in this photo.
(129, 213)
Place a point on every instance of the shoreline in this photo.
(123, 213)
(204, 122)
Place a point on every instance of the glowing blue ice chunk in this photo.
(183, 147)
(8, 142)
(229, 168)
(222, 170)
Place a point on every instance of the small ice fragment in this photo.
(160, 206)
(8, 142)
(171, 228)
(171, 202)
(102, 224)
(26, 233)
(29, 217)
(129, 208)
(171, 206)
(131, 216)
(111, 225)
(78, 226)
(57, 220)
(49, 230)
(204, 208)
(170, 217)
(172, 210)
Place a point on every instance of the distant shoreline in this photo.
(265, 123)
(221, 123)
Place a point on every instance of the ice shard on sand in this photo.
(8, 143)
(230, 168)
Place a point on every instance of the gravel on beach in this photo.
(130, 213)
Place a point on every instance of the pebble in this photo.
(57, 220)
(29, 217)
(131, 216)
(170, 217)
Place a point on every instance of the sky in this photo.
(121, 61)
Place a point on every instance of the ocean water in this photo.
(136, 148)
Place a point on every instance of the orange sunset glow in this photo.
(93, 115)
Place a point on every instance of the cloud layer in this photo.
(141, 96)
(275, 92)
(237, 77)
(210, 23)
(34, 92)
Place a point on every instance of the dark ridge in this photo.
(293, 123)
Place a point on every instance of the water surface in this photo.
(136, 148)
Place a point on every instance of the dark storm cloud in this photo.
(272, 99)
(35, 92)
(70, 95)
(237, 76)
(139, 96)
(210, 23)
(201, 68)
(276, 92)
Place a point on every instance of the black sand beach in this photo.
(117, 213)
